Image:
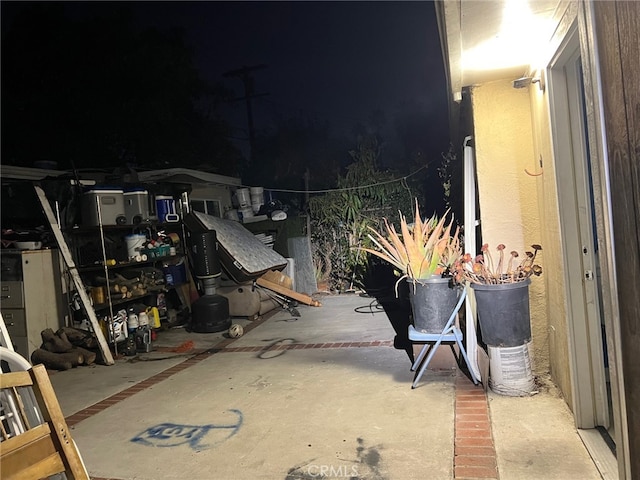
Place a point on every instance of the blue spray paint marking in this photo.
(173, 435)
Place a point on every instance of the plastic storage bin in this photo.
(111, 204)
(136, 206)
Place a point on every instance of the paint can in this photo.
(243, 197)
(97, 295)
(245, 213)
(511, 371)
(135, 243)
(257, 198)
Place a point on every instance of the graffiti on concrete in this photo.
(174, 434)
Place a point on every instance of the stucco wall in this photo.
(509, 197)
(552, 284)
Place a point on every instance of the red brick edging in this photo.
(475, 453)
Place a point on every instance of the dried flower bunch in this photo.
(421, 249)
(482, 269)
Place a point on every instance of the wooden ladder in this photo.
(79, 284)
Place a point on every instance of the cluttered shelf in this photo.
(115, 265)
(121, 298)
(123, 227)
(118, 248)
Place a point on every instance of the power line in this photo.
(346, 189)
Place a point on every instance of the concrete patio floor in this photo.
(323, 395)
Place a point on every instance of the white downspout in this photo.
(470, 224)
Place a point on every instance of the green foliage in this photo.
(341, 219)
(445, 172)
(285, 152)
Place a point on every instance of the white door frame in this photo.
(570, 151)
(587, 137)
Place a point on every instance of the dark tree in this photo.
(295, 145)
(98, 92)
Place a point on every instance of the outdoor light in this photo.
(524, 82)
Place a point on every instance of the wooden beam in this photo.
(301, 297)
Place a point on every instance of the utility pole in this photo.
(244, 74)
(307, 175)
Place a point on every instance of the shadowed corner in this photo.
(380, 283)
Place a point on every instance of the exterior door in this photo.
(592, 397)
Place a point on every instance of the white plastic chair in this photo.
(450, 334)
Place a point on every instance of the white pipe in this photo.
(470, 224)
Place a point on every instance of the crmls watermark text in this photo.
(331, 471)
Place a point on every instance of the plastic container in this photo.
(257, 198)
(154, 317)
(166, 209)
(143, 319)
(135, 244)
(432, 303)
(132, 322)
(111, 204)
(136, 206)
(243, 197)
(511, 370)
(503, 313)
(28, 245)
(245, 212)
(143, 339)
(175, 274)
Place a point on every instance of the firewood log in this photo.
(79, 337)
(53, 343)
(63, 336)
(120, 280)
(118, 289)
(56, 361)
(88, 357)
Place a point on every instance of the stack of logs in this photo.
(121, 287)
(67, 348)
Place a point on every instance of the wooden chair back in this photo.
(35, 441)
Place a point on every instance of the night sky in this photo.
(331, 61)
(334, 60)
